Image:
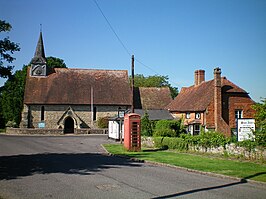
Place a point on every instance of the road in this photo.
(77, 167)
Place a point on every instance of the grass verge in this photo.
(244, 170)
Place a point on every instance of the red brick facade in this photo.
(219, 99)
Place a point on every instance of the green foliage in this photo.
(12, 94)
(54, 62)
(154, 81)
(168, 128)
(7, 48)
(187, 141)
(11, 124)
(260, 117)
(146, 125)
(102, 122)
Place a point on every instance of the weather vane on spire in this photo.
(40, 27)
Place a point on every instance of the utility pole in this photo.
(132, 83)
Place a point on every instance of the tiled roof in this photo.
(156, 114)
(151, 97)
(197, 98)
(73, 86)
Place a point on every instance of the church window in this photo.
(42, 113)
(94, 113)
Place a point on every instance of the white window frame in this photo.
(196, 131)
(187, 115)
(197, 115)
(238, 113)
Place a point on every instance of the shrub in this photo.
(102, 122)
(11, 124)
(146, 125)
(168, 128)
(186, 141)
(165, 133)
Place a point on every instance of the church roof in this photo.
(73, 86)
(39, 56)
(151, 97)
(197, 98)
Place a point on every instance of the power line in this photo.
(120, 41)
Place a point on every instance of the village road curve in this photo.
(76, 167)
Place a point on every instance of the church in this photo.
(71, 99)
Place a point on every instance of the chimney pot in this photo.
(201, 76)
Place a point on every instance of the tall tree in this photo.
(155, 81)
(260, 118)
(54, 62)
(12, 94)
(7, 48)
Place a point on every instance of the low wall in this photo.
(31, 131)
(230, 150)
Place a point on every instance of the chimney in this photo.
(201, 76)
(196, 77)
(217, 97)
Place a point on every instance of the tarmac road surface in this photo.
(34, 167)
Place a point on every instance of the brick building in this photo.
(71, 99)
(212, 105)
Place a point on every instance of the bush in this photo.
(165, 133)
(146, 125)
(11, 124)
(168, 128)
(170, 143)
(102, 122)
(187, 141)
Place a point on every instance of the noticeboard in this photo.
(245, 129)
(41, 125)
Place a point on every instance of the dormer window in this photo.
(197, 115)
(188, 115)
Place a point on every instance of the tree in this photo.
(260, 115)
(260, 118)
(12, 94)
(154, 81)
(146, 126)
(54, 62)
(7, 48)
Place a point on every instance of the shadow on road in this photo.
(242, 181)
(12, 167)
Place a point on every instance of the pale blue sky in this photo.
(173, 37)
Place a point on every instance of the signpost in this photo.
(245, 129)
(121, 114)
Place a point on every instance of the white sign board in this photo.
(245, 128)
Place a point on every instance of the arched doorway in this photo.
(69, 125)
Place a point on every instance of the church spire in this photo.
(38, 62)
(39, 56)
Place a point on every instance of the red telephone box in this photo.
(132, 138)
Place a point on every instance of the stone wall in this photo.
(53, 113)
(230, 150)
(38, 131)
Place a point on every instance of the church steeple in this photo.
(38, 62)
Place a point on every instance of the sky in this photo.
(167, 37)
